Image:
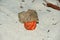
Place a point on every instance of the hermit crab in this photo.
(29, 18)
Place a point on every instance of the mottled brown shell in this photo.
(30, 15)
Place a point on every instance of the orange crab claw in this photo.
(30, 25)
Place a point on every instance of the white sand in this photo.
(12, 29)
